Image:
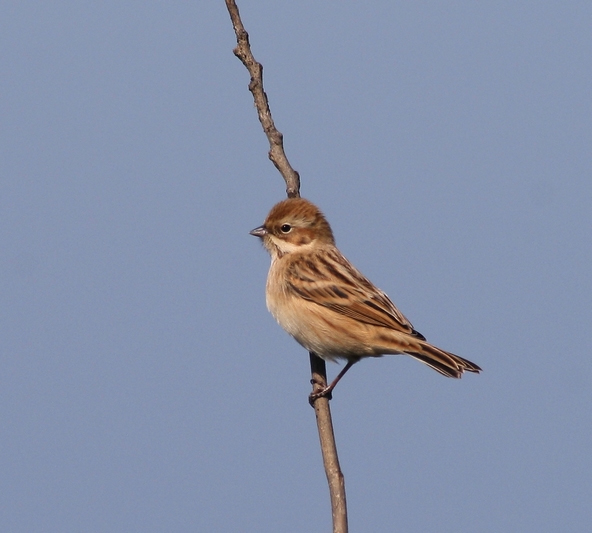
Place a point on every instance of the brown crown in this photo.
(299, 213)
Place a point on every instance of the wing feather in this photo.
(328, 279)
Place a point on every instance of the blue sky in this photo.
(144, 386)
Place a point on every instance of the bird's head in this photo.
(294, 225)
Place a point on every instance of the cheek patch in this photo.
(303, 240)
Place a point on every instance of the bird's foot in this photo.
(323, 393)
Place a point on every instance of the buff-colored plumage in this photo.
(327, 305)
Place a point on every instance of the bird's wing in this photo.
(327, 278)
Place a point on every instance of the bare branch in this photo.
(275, 138)
(328, 446)
(292, 179)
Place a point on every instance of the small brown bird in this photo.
(327, 305)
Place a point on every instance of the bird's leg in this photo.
(326, 392)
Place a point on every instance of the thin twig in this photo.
(292, 179)
(328, 447)
(275, 138)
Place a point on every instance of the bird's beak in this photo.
(261, 231)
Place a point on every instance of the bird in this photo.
(328, 306)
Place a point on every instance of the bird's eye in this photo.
(286, 228)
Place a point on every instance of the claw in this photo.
(323, 393)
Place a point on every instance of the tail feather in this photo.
(446, 363)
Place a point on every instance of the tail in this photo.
(446, 363)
